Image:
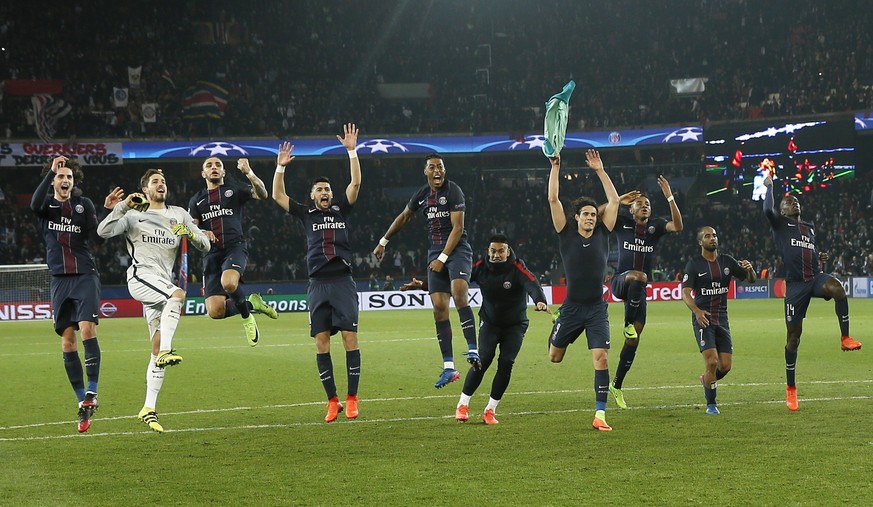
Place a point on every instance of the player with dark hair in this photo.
(637, 236)
(450, 259)
(584, 246)
(153, 231)
(709, 276)
(505, 283)
(69, 224)
(795, 241)
(218, 210)
(333, 296)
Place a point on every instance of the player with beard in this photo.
(69, 224)
(153, 237)
(450, 259)
(795, 241)
(709, 277)
(584, 247)
(332, 293)
(637, 236)
(218, 210)
(505, 283)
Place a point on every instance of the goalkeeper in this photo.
(153, 232)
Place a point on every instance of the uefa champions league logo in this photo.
(685, 134)
(382, 146)
(218, 148)
(529, 143)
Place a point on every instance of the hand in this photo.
(436, 266)
(702, 319)
(350, 139)
(210, 236)
(58, 161)
(665, 186)
(113, 198)
(629, 198)
(182, 230)
(542, 307)
(823, 256)
(243, 165)
(137, 201)
(556, 162)
(414, 284)
(285, 156)
(745, 265)
(592, 157)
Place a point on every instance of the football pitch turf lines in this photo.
(367, 401)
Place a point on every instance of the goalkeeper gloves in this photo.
(139, 203)
(182, 230)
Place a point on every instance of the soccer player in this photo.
(450, 260)
(637, 238)
(218, 210)
(332, 293)
(69, 223)
(795, 241)
(709, 276)
(584, 245)
(505, 283)
(153, 234)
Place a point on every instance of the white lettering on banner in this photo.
(25, 311)
(31, 154)
(756, 288)
(664, 293)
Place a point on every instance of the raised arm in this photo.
(38, 202)
(675, 223)
(116, 222)
(624, 200)
(770, 202)
(399, 223)
(559, 218)
(350, 142)
(259, 191)
(610, 212)
(283, 159)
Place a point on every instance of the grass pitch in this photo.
(244, 426)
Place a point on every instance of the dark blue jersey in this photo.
(636, 243)
(327, 232)
(795, 242)
(505, 287)
(67, 228)
(711, 281)
(220, 211)
(584, 262)
(437, 207)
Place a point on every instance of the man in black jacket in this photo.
(505, 283)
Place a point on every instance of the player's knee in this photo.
(711, 364)
(636, 276)
(505, 365)
(229, 286)
(724, 368)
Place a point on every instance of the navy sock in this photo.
(353, 365)
(842, 309)
(710, 395)
(625, 361)
(74, 373)
(325, 372)
(790, 363)
(230, 308)
(601, 388)
(92, 363)
(719, 374)
(468, 326)
(444, 337)
(636, 292)
(239, 300)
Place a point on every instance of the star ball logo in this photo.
(218, 148)
(529, 143)
(382, 146)
(685, 134)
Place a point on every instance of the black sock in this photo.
(444, 337)
(92, 362)
(230, 308)
(74, 373)
(790, 363)
(239, 300)
(842, 309)
(625, 361)
(719, 374)
(636, 293)
(601, 388)
(353, 365)
(325, 372)
(468, 326)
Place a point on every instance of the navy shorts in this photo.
(713, 337)
(215, 263)
(333, 305)
(798, 295)
(619, 290)
(509, 338)
(459, 265)
(75, 298)
(592, 318)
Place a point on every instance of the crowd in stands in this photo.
(301, 68)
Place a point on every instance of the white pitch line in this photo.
(444, 396)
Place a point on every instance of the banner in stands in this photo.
(282, 303)
(862, 287)
(407, 145)
(42, 310)
(655, 291)
(418, 299)
(38, 154)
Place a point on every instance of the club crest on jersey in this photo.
(228, 192)
(80, 208)
(727, 271)
(507, 285)
(651, 229)
(173, 221)
(443, 200)
(335, 207)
